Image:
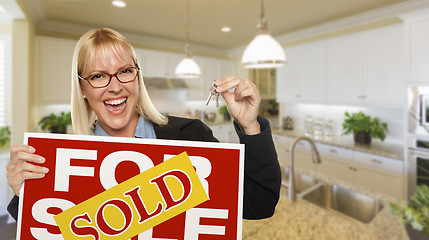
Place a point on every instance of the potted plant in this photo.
(414, 213)
(223, 110)
(363, 127)
(56, 123)
(4, 135)
(274, 109)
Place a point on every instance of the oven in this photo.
(418, 163)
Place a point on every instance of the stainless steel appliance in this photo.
(418, 162)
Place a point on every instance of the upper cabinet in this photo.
(265, 81)
(416, 44)
(303, 78)
(363, 68)
(53, 62)
(344, 62)
(157, 63)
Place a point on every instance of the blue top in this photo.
(144, 129)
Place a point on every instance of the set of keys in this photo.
(212, 92)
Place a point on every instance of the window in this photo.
(5, 69)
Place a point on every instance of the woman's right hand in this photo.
(21, 167)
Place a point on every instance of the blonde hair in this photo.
(108, 41)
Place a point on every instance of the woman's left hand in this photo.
(243, 103)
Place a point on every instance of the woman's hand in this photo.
(20, 167)
(243, 103)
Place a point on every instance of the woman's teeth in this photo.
(115, 102)
(115, 106)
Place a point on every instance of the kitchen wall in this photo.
(393, 117)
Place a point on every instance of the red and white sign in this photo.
(81, 167)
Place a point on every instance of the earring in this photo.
(84, 96)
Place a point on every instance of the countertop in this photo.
(395, 151)
(302, 220)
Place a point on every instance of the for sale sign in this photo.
(161, 184)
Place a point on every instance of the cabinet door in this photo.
(418, 37)
(227, 68)
(335, 162)
(383, 68)
(196, 86)
(288, 76)
(312, 72)
(380, 181)
(172, 61)
(303, 157)
(282, 145)
(345, 73)
(53, 64)
(155, 63)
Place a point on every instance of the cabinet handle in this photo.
(333, 151)
(376, 161)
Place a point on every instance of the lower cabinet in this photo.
(373, 172)
(282, 144)
(368, 171)
(225, 133)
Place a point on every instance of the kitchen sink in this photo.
(347, 202)
(302, 181)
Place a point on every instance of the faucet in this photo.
(316, 160)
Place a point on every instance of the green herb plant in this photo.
(415, 211)
(357, 122)
(54, 122)
(223, 110)
(4, 135)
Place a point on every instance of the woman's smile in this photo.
(116, 106)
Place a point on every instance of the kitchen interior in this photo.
(342, 57)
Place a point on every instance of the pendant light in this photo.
(187, 68)
(263, 51)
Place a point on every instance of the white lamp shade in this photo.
(187, 68)
(263, 52)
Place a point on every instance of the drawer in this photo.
(334, 152)
(379, 162)
(282, 141)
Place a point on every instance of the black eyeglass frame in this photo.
(111, 76)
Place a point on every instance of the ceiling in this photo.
(165, 19)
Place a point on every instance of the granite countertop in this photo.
(395, 151)
(302, 220)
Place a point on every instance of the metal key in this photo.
(212, 92)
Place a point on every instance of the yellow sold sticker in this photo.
(137, 204)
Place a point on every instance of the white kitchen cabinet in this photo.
(282, 144)
(288, 77)
(350, 69)
(159, 64)
(225, 133)
(380, 181)
(373, 172)
(344, 68)
(304, 76)
(416, 32)
(303, 157)
(336, 162)
(211, 70)
(380, 174)
(383, 80)
(364, 170)
(53, 61)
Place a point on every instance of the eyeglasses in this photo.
(101, 79)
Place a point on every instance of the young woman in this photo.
(109, 98)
